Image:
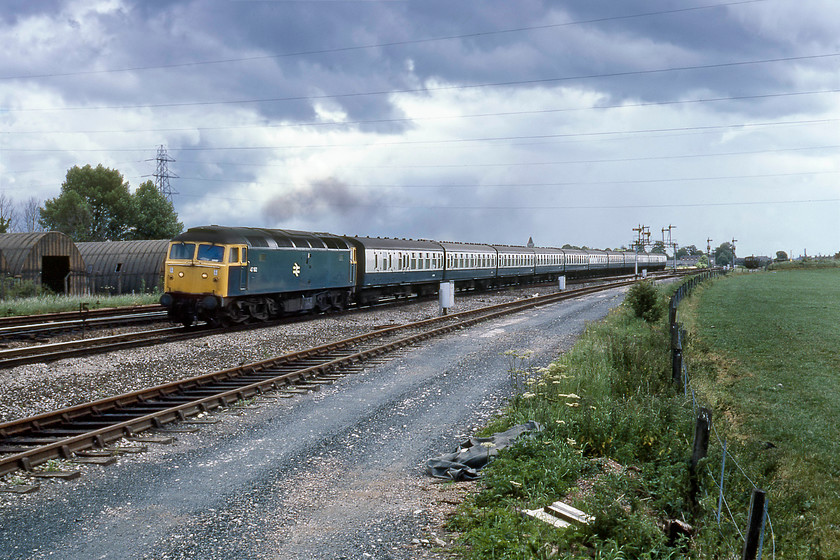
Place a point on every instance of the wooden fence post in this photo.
(676, 365)
(755, 525)
(701, 448)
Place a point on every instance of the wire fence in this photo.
(81, 284)
(731, 482)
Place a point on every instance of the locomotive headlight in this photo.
(181, 274)
(204, 275)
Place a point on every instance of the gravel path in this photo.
(32, 389)
(331, 474)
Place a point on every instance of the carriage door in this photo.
(238, 256)
(243, 280)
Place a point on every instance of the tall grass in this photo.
(53, 303)
(615, 444)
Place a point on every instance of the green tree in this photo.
(658, 247)
(725, 254)
(94, 205)
(153, 216)
(688, 251)
(781, 256)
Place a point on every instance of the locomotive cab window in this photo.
(182, 251)
(234, 255)
(212, 253)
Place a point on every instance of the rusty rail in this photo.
(29, 442)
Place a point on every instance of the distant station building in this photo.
(688, 261)
(124, 267)
(47, 259)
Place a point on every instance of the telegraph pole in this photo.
(709, 250)
(642, 241)
(671, 243)
(733, 253)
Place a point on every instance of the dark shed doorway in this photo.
(47, 258)
(53, 272)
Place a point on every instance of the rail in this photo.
(29, 442)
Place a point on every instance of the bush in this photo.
(15, 289)
(645, 302)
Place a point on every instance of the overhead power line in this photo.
(532, 185)
(552, 207)
(494, 164)
(321, 124)
(440, 142)
(532, 163)
(536, 81)
(377, 45)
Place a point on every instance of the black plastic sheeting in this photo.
(474, 453)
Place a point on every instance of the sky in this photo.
(491, 121)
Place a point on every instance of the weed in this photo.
(607, 401)
(645, 301)
(52, 303)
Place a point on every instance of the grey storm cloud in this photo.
(330, 197)
(396, 93)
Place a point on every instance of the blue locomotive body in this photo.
(232, 275)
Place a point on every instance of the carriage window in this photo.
(212, 253)
(182, 251)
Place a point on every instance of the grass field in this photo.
(765, 353)
(58, 303)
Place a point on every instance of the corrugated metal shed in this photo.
(48, 259)
(124, 267)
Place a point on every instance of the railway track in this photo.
(84, 347)
(52, 324)
(29, 442)
(88, 321)
(44, 326)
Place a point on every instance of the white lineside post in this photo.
(561, 282)
(446, 296)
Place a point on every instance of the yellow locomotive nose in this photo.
(195, 279)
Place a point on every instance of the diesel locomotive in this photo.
(230, 275)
